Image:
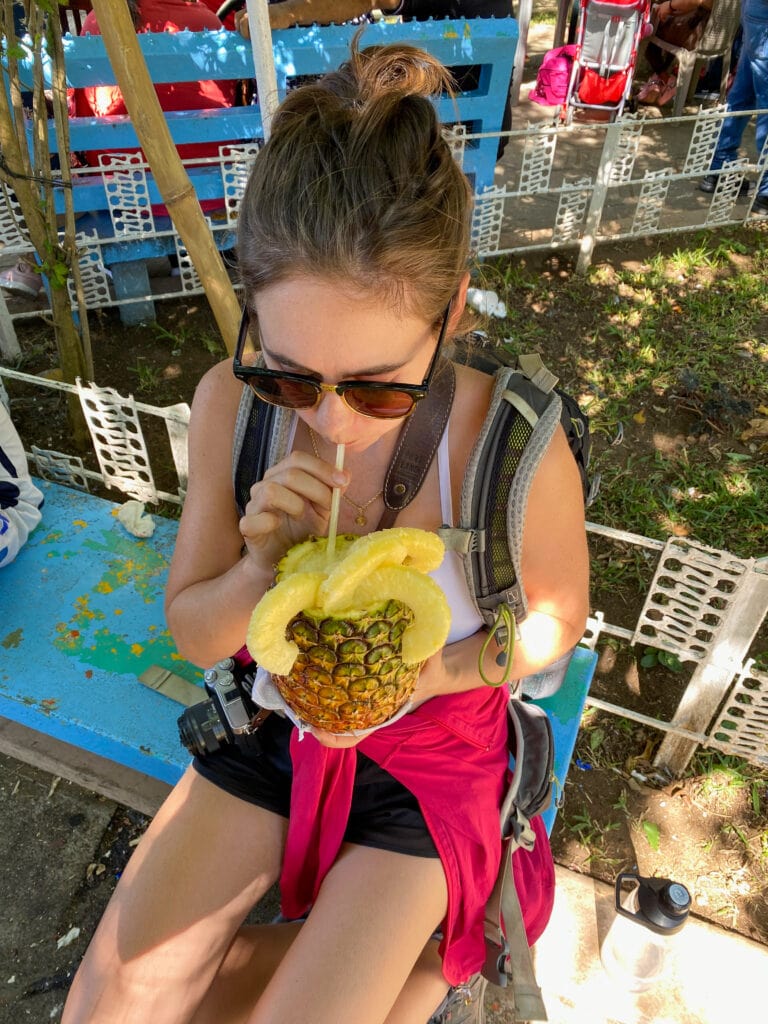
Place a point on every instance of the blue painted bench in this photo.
(487, 45)
(564, 710)
(83, 618)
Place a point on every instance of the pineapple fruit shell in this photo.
(345, 640)
(349, 673)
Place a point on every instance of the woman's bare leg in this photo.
(254, 956)
(351, 959)
(251, 960)
(423, 992)
(205, 860)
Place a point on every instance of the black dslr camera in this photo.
(228, 716)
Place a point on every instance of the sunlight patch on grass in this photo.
(671, 355)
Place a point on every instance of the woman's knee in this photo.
(183, 895)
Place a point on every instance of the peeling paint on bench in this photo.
(82, 618)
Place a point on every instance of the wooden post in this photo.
(599, 192)
(263, 61)
(9, 343)
(127, 60)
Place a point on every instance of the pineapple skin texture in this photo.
(349, 673)
(345, 640)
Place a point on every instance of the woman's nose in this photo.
(333, 418)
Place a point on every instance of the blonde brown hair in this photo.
(357, 184)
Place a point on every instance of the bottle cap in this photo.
(664, 904)
(661, 904)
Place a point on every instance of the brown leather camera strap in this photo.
(418, 443)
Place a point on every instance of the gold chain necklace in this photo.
(360, 518)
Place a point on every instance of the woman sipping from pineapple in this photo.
(354, 242)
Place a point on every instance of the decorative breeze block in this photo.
(689, 598)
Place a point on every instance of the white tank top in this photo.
(465, 620)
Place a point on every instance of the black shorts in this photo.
(384, 814)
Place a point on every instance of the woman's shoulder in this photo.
(219, 382)
(470, 407)
(472, 399)
(217, 397)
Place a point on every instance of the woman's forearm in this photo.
(670, 8)
(287, 13)
(208, 619)
(541, 639)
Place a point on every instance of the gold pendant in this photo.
(360, 519)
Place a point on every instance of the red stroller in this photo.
(607, 40)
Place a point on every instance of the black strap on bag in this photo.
(418, 442)
(508, 961)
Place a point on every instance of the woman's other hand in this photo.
(664, 11)
(335, 739)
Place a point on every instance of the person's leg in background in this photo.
(748, 92)
(741, 97)
(755, 20)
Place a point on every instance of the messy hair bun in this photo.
(357, 183)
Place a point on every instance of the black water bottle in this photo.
(649, 913)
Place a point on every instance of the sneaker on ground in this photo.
(22, 279)
(463, 1004)
(760, 207)
(709, 184)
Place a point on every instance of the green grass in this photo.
(673, 356)
(592, 835)
(181, 336)
(149, 377)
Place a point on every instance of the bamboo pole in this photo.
(31, 181)
(61, 121)
(129, 66)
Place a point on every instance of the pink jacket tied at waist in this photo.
(451, 753)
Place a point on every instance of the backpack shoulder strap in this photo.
(521, 419)
(416, 447)
(261, 439)
(508, 956)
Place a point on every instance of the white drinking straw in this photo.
(335, 502)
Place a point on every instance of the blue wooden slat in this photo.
(82, 618)
(89, 193)
(228, 124)
(564, 710)
(312, 50)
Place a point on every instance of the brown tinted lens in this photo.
(379, 402)
(291, 394)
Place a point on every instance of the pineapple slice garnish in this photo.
(431, 614)
(266, 640)
(406, 546)
(366, 572)
(309, 555)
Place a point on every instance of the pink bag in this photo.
(554, 75)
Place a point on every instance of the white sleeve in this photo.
(20, 500)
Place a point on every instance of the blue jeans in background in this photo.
(750, 88)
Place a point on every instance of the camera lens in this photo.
(201, 730)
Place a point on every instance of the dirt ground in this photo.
(708, 830)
